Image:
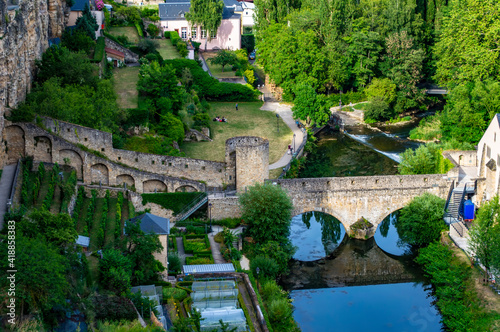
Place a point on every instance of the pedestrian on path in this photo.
(236, 106)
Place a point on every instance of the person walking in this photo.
(236, 106)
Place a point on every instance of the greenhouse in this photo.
(234, 317)
(218, 300)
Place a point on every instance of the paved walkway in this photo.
(5, 188)
(285, 112)
(215, 250)
(180, 250)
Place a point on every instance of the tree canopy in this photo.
(207, 14)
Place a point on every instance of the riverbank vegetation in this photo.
(460, 303)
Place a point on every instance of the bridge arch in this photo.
(99, 173)
(125, 178)
(151, 186)
(186, 188)
(323, 210)
(16, 144)
(42, 148)
(72, 158)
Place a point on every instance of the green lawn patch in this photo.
(125, 83)
(167, 50)
(44, 188)
(217, 69)
(109, 234)
(170, 201)
(82, 215)
(249, 120)
(130, 32)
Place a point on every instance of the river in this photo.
(341, 284)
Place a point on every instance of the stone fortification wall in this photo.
(27, 139)
(211, 172)
(225, 207)
(247, 157)
(462, 158)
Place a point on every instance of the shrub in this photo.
(153, 30)
(139, 29)
(268, 268)
(113, 308)
(174, 37)
(174, 293)
(378, 109)
(174, 262)
(182, 48)
(195, 260)
(167, 34)
(147, 46)
(248, 42)
(99, 49)
(279, 311)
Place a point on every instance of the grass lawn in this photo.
(167, 50)
(125, 82)
(130, 32)
(217, 69)
(249, 120)
(96, 224)
(109, 233)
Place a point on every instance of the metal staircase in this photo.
(454, 207)
(192, 207)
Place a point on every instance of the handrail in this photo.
(193, 203)
(295, 155)
(460, 212)
(450, 192)
(13, 189)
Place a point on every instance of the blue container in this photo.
(469, 210)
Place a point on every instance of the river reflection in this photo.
(316, 235)
(387, 237)
(392, 307)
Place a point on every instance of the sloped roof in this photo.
(83, 241)
(151, 223)
(111, 51)
(208, 268)
(173, 10)
(498, 118)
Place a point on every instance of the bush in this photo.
(148, 46)
(378, 110)
(99, 49)
(210, 88)
(174, 37)
(279, 311)
(174, 262)
(113, 308)
(153, 30)
(182, 48)
(195, 260)
(139, 30)
(248, 42)
(268, 268)
(167, 34)
(174, 293)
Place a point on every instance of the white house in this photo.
(247, 15)
(172, 18)
(488, 158)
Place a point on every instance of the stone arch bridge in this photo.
(371, 197)
(27, 139)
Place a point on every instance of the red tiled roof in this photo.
(111, 51)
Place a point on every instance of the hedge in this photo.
(210, 88)
(99, 50)
(195, 252)
(245, 311)
(170, 201)
(167, 34)
(199, 260)
(174, 37)
(139, 30)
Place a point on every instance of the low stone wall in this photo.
(462, 158)
(226, 207)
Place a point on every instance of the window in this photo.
(488, 152)
(494, 137)
(184, 33)
(194, 31)
(203, 33)
(498, 159)
(213, 35)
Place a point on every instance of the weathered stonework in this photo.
(225, 207)
(350, 198)
(130, 57)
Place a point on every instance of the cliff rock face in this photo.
(25, 29)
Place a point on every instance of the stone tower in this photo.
(247, 161)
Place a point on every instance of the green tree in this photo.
(77, 40)
(266, 209)
(485, 235)
(428, 158)
(468, 46)
(115, 271)
(71, 68)
(87, 23)
(383, 88)
(131, 14)
(224, 58)
(378, 109)
(421, 222)
(153, 30)
(40, 278)
(140, 249)
(56, 229)
(148, 45)
(207, 14)
(172, 127)
(309, 106)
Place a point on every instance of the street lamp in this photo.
(293, 143)
(210, 215)
(278, 122)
